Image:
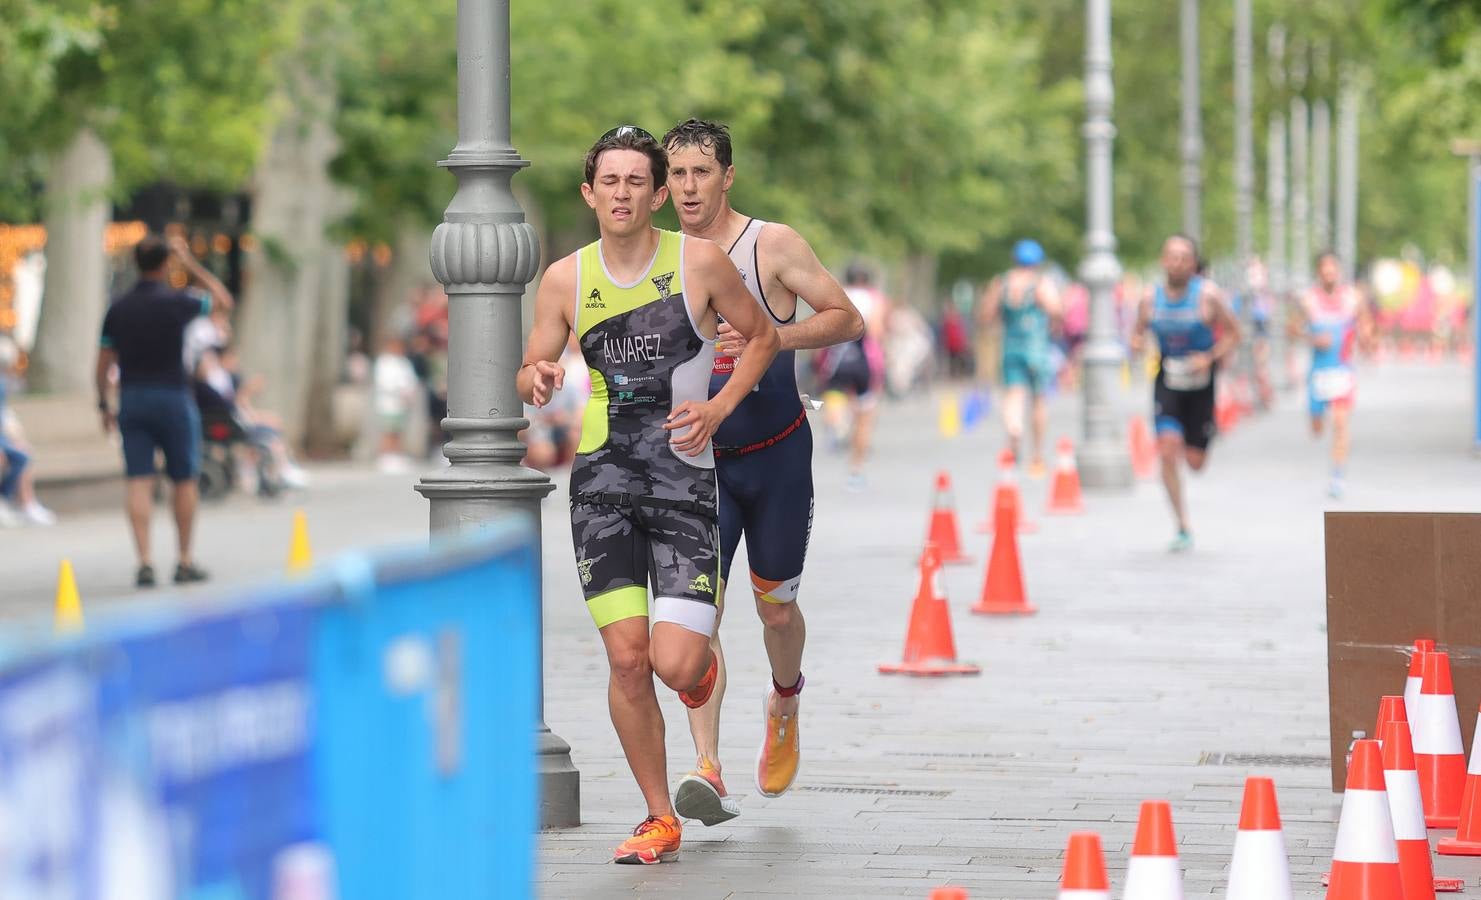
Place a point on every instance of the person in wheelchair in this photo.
(228, 422)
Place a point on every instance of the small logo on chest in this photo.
(664, 284)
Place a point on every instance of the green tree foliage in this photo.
(176, 89)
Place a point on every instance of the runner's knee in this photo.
(631, 667)
(777, 615)
(1196, 459)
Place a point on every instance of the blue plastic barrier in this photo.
(363, 734)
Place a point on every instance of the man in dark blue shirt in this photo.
(144, 335)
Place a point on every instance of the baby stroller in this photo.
(221, 434)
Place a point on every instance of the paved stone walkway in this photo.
(1139, 671)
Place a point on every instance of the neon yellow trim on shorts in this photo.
(617, 604)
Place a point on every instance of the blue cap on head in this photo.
(1028, 253)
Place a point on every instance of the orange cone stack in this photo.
(1401, 782)
(1084, 876)
(1365, 861)
(1006, 492)
(1260, 869)
(929, 646)
(1437, 747)
(943, 531)
(1153, 872)
(1064, 494)
(1390, 709)
(1416, 675)
(1002, 589)
(1467, 840)
(1143, 448)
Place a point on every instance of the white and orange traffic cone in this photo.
(943, 530)
(1416, 675)
(1143, 448)
(1154, 872)
(1365, 861)
(1401, 782)
(1437, 746)
(1391, 708)
(930, 648)
(1003, 593)
(1467, 840)
(1006, 493)
(1260, 869)
(1084, 876)
(1064, 493)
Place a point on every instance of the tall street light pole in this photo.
(1244, 176)
(1104, 461)
(1300, 168)
(484, 253)
(1192, 127)
(1347, 172)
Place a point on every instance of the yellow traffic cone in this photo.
(1125, 375)
(950, 419)
(68, 615)
(300, 556)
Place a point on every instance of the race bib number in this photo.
(1331, 384)
(1181, 375)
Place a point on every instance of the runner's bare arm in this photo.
(1226, 326)
(1143, 319)
(541, 375)
(1048, 297)
(835, 318)
(708, 272)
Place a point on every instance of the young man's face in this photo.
(698, 184)
(622, 192)
(1328, 270)
(1178, 261)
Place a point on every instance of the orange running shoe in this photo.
(656, 840)
(699, 695)
(781, 752)
(701, 795)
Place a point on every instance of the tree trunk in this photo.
(918, 282)
(76, 292)
(294, 201)
(409, 272)
(321, 437)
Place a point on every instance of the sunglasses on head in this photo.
(625, 130)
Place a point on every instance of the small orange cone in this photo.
(1467, 840)
(1365, 861)
(949, 893)
(1007, 492)
(1064, 494)
(1002, 589)
(1437, 746)
(1260, 869)
(1143, 448)
(1084, 876)
(1390, 709)
(1416, 676)
(1153, 872)
(1401, 783)
(943, 531)
(929, 646)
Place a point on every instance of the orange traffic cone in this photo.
(1002, 589)
(943, 531)
(1467, 840)
(1416, 676)
(1064, 494)
(1084, 876)
(1437, 747)
(1401, 783)
(1006, 492)
(1365, 861)
(1143, 448)
(1390, 709)
(1153, 872)
(949, 893)
(929, 646)
(1260, 869)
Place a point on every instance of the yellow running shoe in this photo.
(701, 795)
(781, 752)
(656, 840)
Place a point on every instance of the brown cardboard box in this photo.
(1392, 578)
